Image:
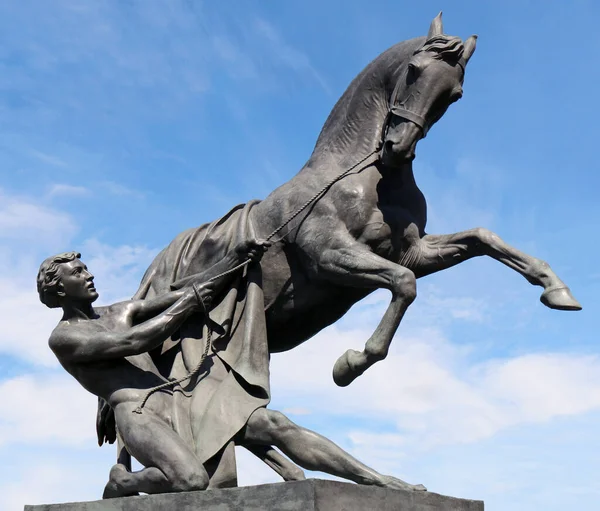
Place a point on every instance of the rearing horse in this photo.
(368, 231)
(350, 222)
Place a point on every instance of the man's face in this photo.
(77, 282)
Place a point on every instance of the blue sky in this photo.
(123, 123)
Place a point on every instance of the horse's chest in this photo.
(390, 231)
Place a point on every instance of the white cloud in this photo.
(428, 387)
(25, 220)
(251, 470)
(118, 189)
(29, 232)
(118, 270)
(59, 475)
(43, 484)
(542, 386)
(48, 159)
(286, 54)
(68, 190)
(441, 305)
(460, 198)
(26, 323)
(297, 411)
(46, 408)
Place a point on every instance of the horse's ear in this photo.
(470, 44)
(436, 27)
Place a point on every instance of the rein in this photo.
(397, 109)
(196, 370)
(394, 110)
(208, 342)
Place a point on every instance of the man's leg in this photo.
(312, 451)
(170, 465)
(279, 463)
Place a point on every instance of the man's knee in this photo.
(276, 421)
(189, 479)
(269, 426)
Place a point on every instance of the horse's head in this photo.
(429, 82)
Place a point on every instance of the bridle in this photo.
(403, 113)
(397, 109)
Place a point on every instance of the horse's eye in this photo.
(413, 71)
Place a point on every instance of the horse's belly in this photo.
(297, 303)
(297, 317)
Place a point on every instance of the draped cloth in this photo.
(234, 381)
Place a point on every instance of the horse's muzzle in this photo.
(395, 155)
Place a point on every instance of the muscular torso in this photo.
(117, 380)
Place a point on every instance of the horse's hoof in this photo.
(344, 371)
(560, 298)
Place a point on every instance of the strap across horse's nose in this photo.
(412, 117)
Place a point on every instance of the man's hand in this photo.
(252, 249)
(201, 295)
(199, 290)
(106, 428)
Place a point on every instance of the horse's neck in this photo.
(398, 187)
(398, 180)
(354, 127)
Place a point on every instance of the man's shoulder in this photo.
(69, 332)
(116, 308)
(109, 314)
(63, 334)
(67, 329)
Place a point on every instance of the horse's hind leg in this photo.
(438, 252)
(354, 265)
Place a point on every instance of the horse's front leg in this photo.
(438, 252)
(354, 265)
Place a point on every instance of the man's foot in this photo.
(114, 487)
(398, 484)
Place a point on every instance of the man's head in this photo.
(64, 277)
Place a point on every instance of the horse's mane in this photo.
(445, 47)
(354, 125)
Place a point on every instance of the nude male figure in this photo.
(98, 346)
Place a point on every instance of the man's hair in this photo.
(48, 279)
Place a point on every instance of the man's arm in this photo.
(250, 249)
(85, 342)
(142, 310)
(253, 250)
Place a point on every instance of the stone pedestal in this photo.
(309, 495)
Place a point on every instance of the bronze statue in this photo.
(353, 220)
